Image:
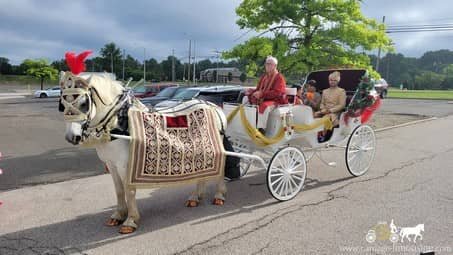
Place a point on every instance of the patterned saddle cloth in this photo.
(175, 146)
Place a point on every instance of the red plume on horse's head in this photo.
(77, 63)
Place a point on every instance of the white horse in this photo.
(416, 231)
(93, 106)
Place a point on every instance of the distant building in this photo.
(221, 75)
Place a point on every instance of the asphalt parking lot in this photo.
(35, 151)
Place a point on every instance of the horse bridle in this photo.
(74, 89)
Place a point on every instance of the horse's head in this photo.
(87, 102)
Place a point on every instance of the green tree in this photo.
(407, 80)
(40, 69)
(435, 60)
(110, 53)
(448, 81)
(61, 65)
(5, 66)
(156, 71)
(243, 77)
(428, 80)
(307, 34)
(166, 68)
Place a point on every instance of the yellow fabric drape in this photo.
(261, 140)
(317, 123)
(233, 113)
(257, 137)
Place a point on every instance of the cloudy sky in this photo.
(46, 28)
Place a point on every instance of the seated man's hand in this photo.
(249, 92)
(258, 94)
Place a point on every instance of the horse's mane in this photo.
(107, 89)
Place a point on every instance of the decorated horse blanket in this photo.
(175, 146)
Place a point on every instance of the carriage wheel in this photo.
(360, 150)
(286, 173)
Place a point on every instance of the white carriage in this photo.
(291, 139)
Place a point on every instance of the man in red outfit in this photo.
(271, 91)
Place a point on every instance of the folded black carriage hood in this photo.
(350, 78)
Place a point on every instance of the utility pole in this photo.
(188, 72)
(124, 55)
(173, 65)
(183, 70)
(217, 68)
(144, 65)
(388, 67)
(194, 59)
(111, 62)
(379, 50)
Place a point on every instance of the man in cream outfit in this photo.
(333, 99)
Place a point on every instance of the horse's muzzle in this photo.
(74, 139)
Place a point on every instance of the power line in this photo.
(242, 35)
(418, 30)
(420, 26)
(441, 19)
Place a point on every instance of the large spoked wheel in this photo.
(286, 173)
(360, 150)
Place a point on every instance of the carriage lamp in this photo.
(289, 119)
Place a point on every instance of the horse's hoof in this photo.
(126, 230)
(218, 201)
(113, 222)
(191, 203)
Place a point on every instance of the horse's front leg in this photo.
(197, 195)
(219, 197)
(133, 216)
(120, 213)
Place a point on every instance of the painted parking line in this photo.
(10, 97)
(405, 124)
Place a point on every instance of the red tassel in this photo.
(76, 63)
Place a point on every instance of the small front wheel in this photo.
(43, 95)
(286, 173)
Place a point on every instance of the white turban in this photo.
(273, 59)
(335, 75)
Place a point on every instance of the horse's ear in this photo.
(61, 76)
(88, 80)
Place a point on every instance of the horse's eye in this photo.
(84, 107)
(78, 84)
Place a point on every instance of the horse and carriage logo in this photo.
(383, 231)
